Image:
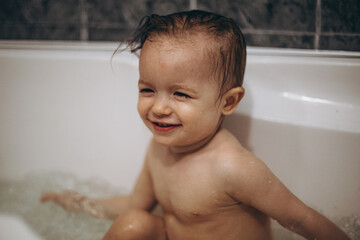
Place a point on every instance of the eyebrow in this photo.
(173, 88)
(141, 81)
(179, 87)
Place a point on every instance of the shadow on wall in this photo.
(239, 124)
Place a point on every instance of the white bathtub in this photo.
(64, 109)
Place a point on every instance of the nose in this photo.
(161, 107)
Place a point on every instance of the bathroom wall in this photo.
(306, 24)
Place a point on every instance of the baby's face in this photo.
(178, 99)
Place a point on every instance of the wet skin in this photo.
(192, 190)
(207, 184)
(187, 161)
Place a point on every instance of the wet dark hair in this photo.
(226, 46)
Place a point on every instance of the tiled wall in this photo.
(308, 24)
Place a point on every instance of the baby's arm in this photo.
(142, 197)
(101, 208)
(252, 183)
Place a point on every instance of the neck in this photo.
(180, 150)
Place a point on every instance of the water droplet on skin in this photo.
(195, 213)
(130, 226)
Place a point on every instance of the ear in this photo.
(231, 100)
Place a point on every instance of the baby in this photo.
(208, 185)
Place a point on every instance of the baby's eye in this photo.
(146, 90)
(180, 94)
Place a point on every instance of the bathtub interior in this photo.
(68, 120)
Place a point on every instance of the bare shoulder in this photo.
(239, 170)
(230, 153)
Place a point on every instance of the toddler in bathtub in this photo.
(209, 187)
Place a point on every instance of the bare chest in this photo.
(187, 190)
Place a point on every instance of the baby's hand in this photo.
(73, 201)
(69, 200)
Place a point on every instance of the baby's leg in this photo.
(137, 224)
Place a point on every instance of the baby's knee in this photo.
(135, 224)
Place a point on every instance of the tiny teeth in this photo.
(164, 125)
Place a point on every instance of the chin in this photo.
(164, 141)
(169, 141)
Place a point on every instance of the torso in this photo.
(191, 194)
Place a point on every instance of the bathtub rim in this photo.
(112, 46)
(256, 55)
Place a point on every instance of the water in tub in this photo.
(22, 216)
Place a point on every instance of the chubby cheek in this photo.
(199, 119)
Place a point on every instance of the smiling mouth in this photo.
(164, 127)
